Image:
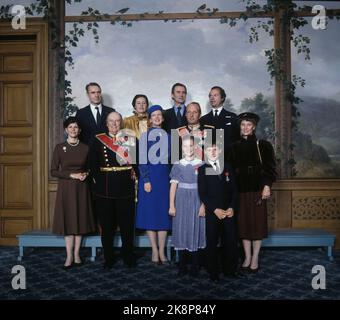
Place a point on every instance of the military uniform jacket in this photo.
(228, 122)
(111, 184)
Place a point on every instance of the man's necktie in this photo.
(178, 115)
(215, 115)
(216, 167)
(98, 117)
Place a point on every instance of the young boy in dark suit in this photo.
(217, 190)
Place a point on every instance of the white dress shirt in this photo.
(215, 165)
(219, 109)
(94, 110)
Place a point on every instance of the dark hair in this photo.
(92, 84)
(177, 84)
(70, 120)
(140, 96)
(222, 92)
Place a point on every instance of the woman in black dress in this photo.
(73, 213)
(254, 164)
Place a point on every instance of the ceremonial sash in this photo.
(114, 145)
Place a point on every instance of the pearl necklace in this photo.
(73, 144)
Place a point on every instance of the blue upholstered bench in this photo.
(48, 239)
(276, 238)
(301, 238)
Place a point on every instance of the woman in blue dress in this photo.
(153, 185)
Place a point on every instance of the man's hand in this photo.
(229, 212)
(221, 214)
(147, 187)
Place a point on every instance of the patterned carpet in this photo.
(284, 274)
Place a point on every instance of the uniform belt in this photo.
(109, 169)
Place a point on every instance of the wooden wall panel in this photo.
(51, 203)
(18, 63)
(17, 104)
(17, 185)
(16, 144)
(11, 227)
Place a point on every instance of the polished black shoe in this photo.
(107, 266)
(68, 267)
(164, 262)
(234, 275)
(130, 263)
(254, 270)
(214, 278)
(194, 272)
(244, 269)
(182, 272)
(78, 264)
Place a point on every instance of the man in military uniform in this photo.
(114, 188)
(198, 131)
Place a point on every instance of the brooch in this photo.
(227, 176)
(64, 148)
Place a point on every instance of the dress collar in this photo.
(193, 162)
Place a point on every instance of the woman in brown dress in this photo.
(139, 121)
(254, 164)
(73, 213)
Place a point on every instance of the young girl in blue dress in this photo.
(188, 223)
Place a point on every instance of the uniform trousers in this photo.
(110, 213)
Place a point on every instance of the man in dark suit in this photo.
(217, 190)
(175, 116)
(92, 118)
(221, 118)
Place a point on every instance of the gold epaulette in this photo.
(180, 128)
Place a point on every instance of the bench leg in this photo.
(21, 253)
(329, 253)
(93, 254)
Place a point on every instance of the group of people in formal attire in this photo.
(204, 179)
